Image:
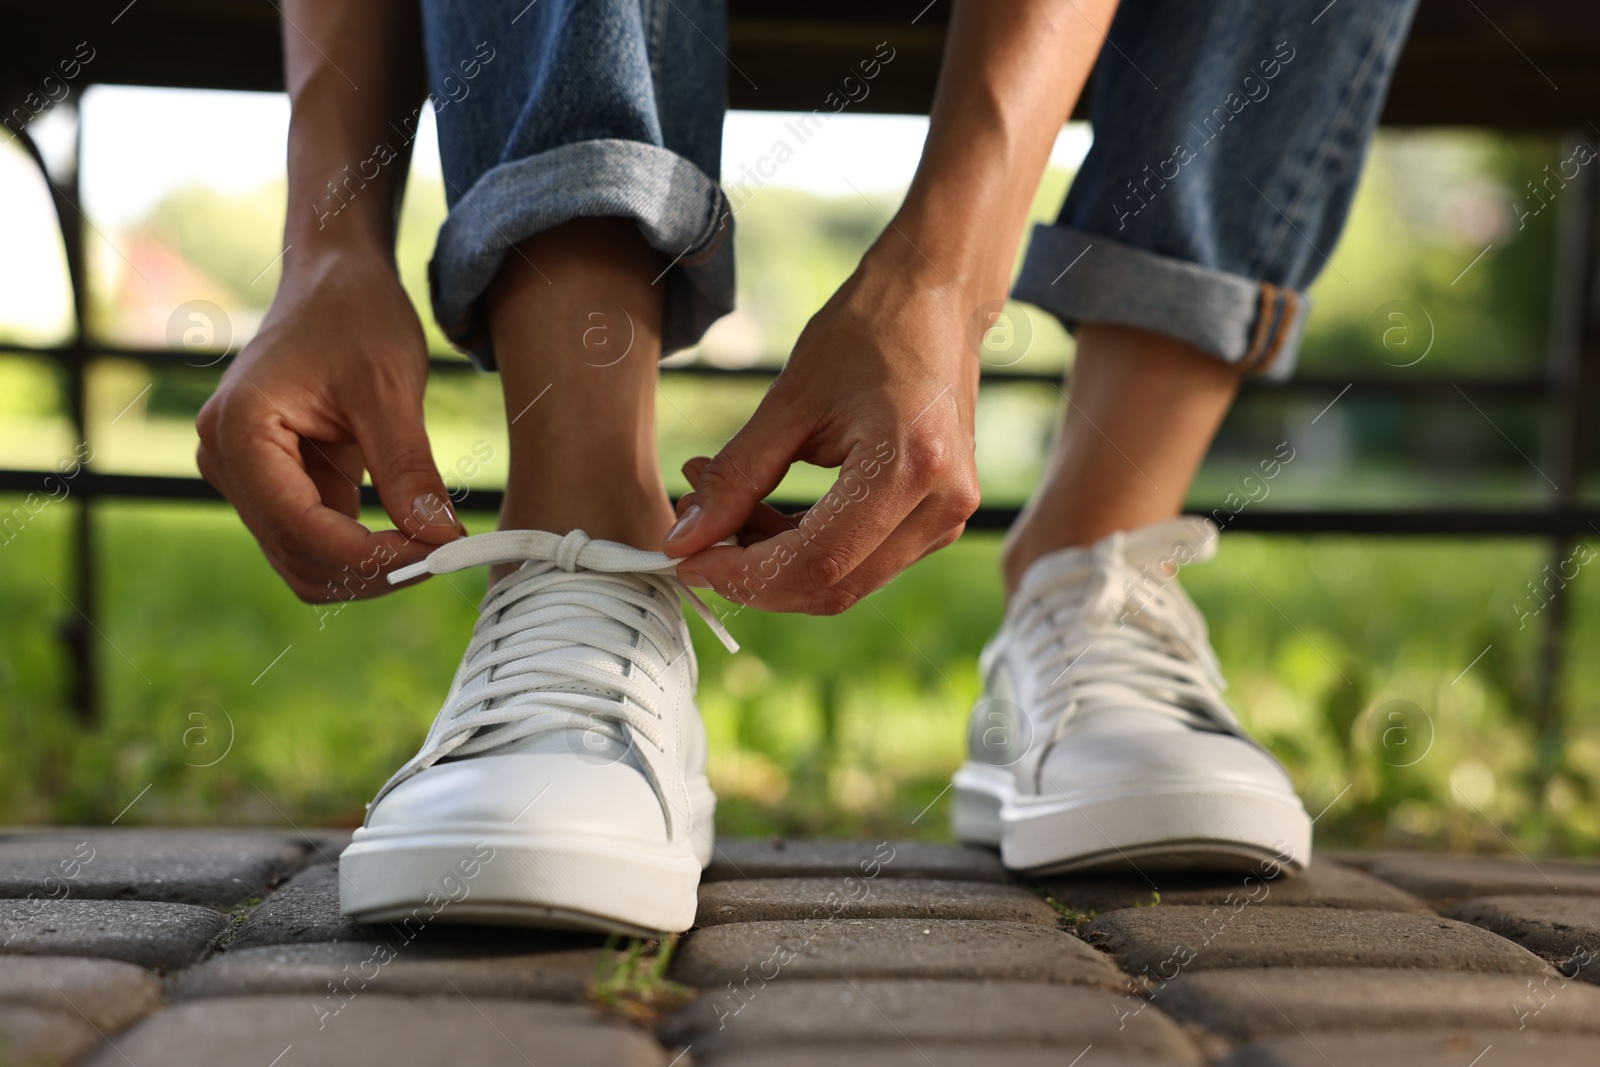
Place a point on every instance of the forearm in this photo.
(355, 79)
(1013, 70)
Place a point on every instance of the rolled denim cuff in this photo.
(1084, 277)
(680, 211)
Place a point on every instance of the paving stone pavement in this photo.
(1324, 884)
(227, 947)
(1162, 942)
(890, 948)
(857, 898)
(211, 867)
(1565, 930)
(1440, 1048)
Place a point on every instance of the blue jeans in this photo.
(1229, 136)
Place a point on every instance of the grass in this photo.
(235, 703)
(634, 983)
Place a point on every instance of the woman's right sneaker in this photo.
(563, 784)
(1102, 739)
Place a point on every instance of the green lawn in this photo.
(838, 726)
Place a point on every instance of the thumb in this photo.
(730, 486)
(408, 483)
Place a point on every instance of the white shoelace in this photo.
(1134, 640)
(519, 677)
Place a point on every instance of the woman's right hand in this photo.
(330, 387)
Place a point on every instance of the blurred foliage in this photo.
(249, 706)
(1348, 657)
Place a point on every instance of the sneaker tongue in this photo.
(1160, 547)
(1171, 544)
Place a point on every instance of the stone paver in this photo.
(743, 857)
(41, 1038)
(881, 898)
(304, 910)
(925, 1053)
(1565, 930)
(149, 933)
(889, 948)
(215, 868)
(1264, 1002)
(893, 1013)
(1325, 884)
(109, 993)
(1165, 940)
(1444, 1048)
(393, 969)
(1444, 880)
(378, 1031)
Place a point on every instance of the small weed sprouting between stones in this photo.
(635, 984)
(1072, 916)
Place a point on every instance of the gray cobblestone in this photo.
(1565, 930)
(394, 969)
(862, 898)
(377, 1031)
(1166, 940)
(1263, 1002)
(149, 933)
(1325, 884)
(924, 1054)
(109, 993)
(214, 868)
(1445, 1048)
(889, 948)
(737, 858)
(1444, 880)
(897, 1014)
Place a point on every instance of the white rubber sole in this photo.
(1174, 826)
(489, 873)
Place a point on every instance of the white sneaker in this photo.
(1102, 738)
(563, 784)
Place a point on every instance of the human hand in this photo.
(330, 387)
(881, 384)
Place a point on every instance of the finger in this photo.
(924, 531)
(932, 525)
(730, 485)
(315, 548)
(394, 444)
(336, 472)
(798, 570)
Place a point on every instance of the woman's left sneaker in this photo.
(1102, 739)
(563, 784)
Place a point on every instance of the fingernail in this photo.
(695, 581)
(684, 524)
(431, 510)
